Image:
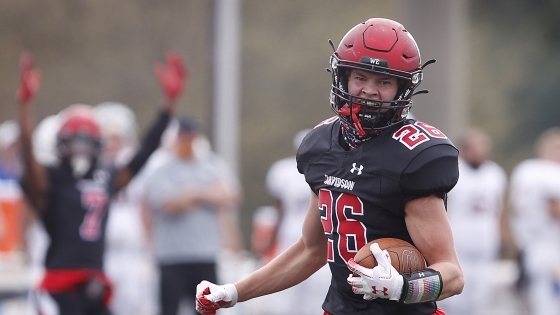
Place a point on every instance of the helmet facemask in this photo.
(80, 151)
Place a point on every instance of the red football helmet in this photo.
(78, 123)
(380, 46)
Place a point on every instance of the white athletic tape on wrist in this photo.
(232, 292)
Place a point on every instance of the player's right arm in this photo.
(34, 178)
(173, 77)
(296, 264)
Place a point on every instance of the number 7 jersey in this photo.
(76, 217)
(362, 194)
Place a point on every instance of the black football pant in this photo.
(74, 303)
(179, 281)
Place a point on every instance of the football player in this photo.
(535, 221)
(72, 196)
(373, 174)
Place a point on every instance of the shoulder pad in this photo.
(419, 135)
(316, 143)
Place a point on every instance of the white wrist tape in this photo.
(231, 292)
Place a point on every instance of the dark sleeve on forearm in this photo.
(150, 142)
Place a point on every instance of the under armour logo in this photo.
(355, 168)
(384, 291)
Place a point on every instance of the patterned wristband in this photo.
(421, 286)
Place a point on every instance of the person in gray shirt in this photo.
(192, 201)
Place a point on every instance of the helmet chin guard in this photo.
(379, 46)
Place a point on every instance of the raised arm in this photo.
(173, 78)
(34, 178)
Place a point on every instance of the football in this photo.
(405, 257)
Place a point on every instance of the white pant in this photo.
(478, 290)
(543, 291)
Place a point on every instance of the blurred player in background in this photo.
(192, 198)
(72, 196)
(474, 208)
(373, 174)
(12, 215)
(10, 163)
(128, 259)
(535, 205)
(11, 205)
(290, 193)
(291, 200)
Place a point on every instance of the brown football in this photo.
(405, 257)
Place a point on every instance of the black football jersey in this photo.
(76, 217)
(362, 194)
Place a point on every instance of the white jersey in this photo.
(474, 207)
(128, 257)
(286, 184)
(533, 183)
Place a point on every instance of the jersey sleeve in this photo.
(314, 145)
(435, 170)
(304, 153)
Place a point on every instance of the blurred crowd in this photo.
(175, 221)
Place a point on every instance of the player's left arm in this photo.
(425, 181)
(428, 226)
(173, 78)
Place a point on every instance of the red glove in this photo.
(30, 79)
(172, 75)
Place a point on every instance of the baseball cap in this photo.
(188, 124)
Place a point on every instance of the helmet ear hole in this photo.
(403, 86)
